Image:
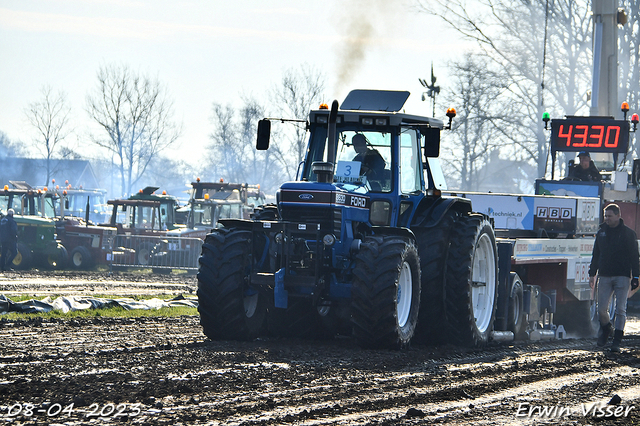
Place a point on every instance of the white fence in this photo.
(160, 253)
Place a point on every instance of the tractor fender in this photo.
(430, 212)
(400, 232)
(243, 224)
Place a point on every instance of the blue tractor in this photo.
(361, 243)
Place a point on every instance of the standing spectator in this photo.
(8, 239)
(615, 260)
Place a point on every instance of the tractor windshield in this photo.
(207, 214)
(203, 214)
(77, 205)
(362, 157)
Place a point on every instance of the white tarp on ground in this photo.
(76, 303)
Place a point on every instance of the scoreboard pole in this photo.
(604, 91)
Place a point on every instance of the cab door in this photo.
(410, 175)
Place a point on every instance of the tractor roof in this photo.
(375, 104)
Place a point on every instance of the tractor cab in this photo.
(168, 205)
(375, 167)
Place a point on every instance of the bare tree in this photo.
(476, 92)
(136, 115)
(542, 48)
(226, 147)
(232, 152)
(50, 117)
(260, 164)
(8, 148)
(298, 92)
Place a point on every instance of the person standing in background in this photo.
(616, 262)
(8, 239)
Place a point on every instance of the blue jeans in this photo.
(607, 287)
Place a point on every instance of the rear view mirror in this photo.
(431, 141)
(264, 134)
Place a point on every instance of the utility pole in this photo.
(604, 91)
(432, 90)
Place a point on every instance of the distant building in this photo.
(34, 172)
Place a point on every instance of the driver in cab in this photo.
(585, 170)
(372, 163)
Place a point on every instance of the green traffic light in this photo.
(545, 116)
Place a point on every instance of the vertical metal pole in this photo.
(604, 96)
(331, 138)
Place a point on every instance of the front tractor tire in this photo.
(23, 259)
(228, 308)
(471, 281)
(57, 259)
(80, 258)
(385, 296)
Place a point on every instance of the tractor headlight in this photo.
(329, 240)
(380, 213)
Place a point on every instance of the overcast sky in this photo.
(207, 51)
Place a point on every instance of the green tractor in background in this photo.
(37, 242)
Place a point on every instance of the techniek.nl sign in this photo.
(507, 211)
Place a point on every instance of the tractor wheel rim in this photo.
(403, 304)
(516, 308)
(250, 305)
(483, 287)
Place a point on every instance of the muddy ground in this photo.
(165, 372)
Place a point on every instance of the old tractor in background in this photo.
(212, 201)
(80, 201)
(85, 243)
(209, 202)
(139, 224)
(37, 241)
(381, 256)
(88, 243)
(169, 204)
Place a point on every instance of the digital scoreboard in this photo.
(593, 134)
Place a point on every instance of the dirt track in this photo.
(164, 371)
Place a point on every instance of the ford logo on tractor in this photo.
(305, 196)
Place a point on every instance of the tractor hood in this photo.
(184, 232)
(316, 193)
(34, 221)
(319, 202)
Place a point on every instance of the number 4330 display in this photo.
(594, 134)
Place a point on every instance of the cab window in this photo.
(364, 157)
(410, 162)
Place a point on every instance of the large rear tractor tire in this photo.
(471, 281)
(228, 308)
(385, 296)
(433, 247)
